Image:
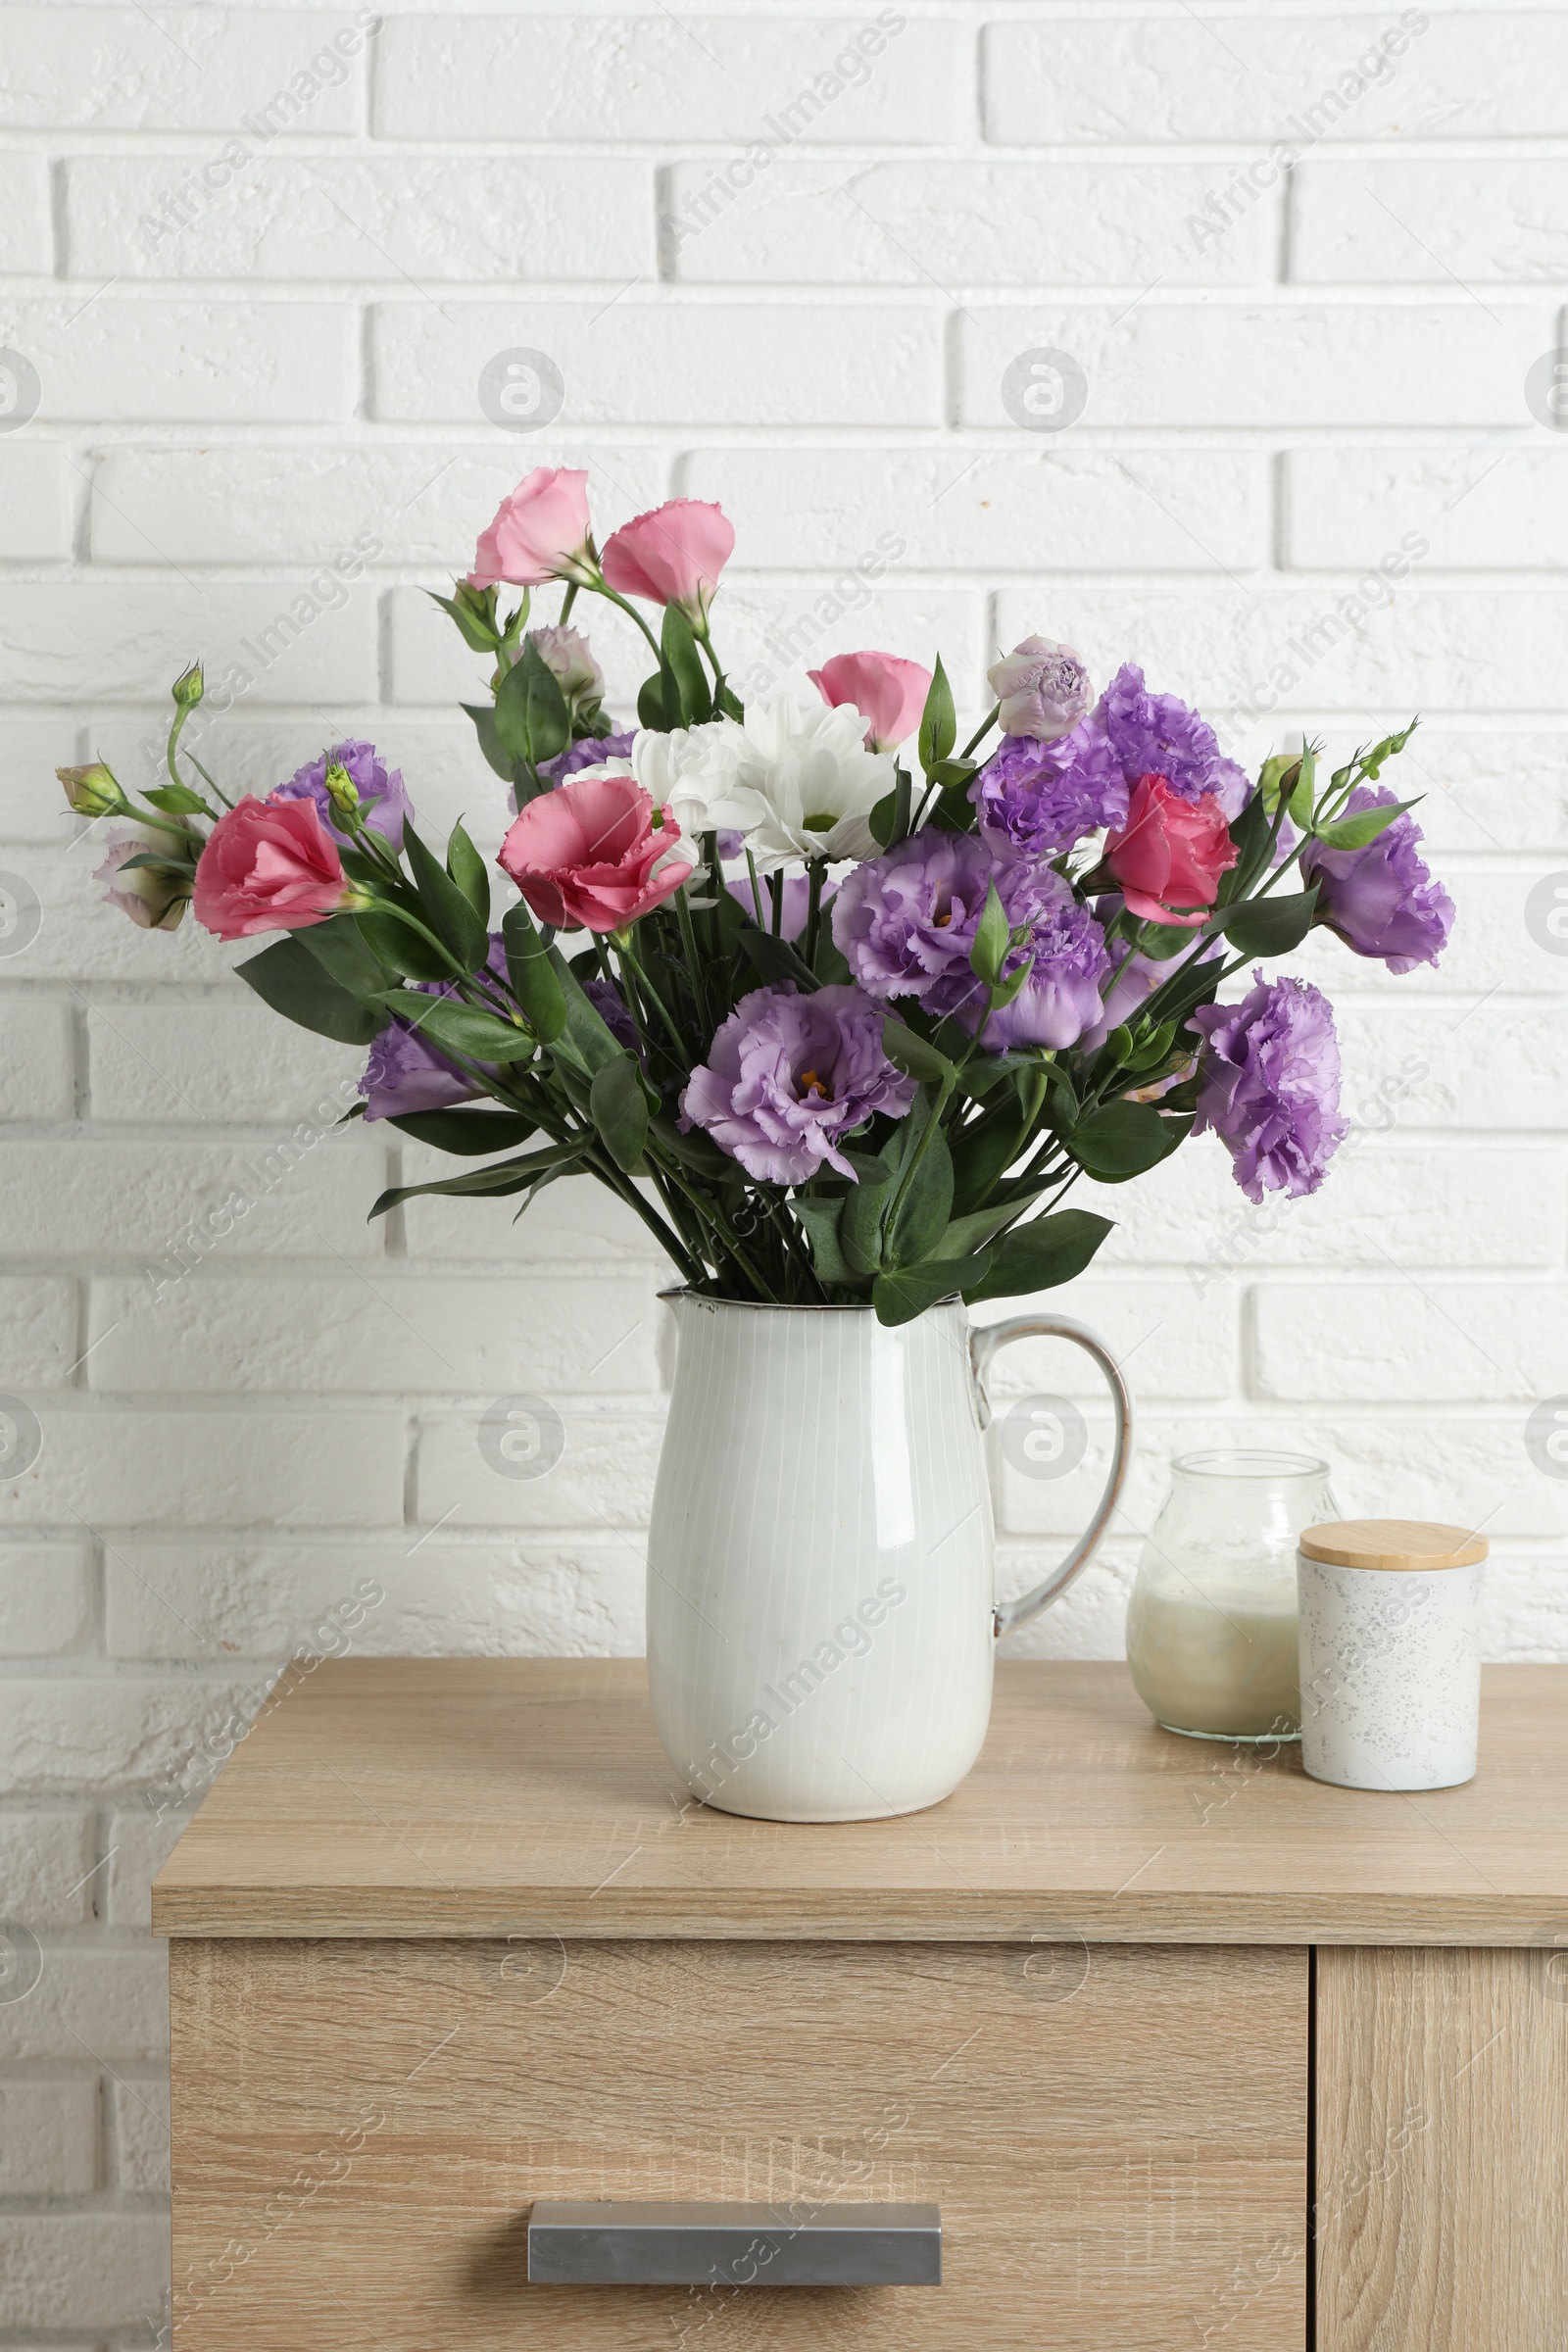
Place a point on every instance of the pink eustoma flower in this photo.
(1169, 856)
(673, 554)
(540, 534)
(269, 866)
(889, 694)
(583, 855)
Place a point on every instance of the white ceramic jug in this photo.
(821, 1619)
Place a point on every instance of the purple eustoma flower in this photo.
(795, 906)
(406, 1073)
(788, 1077)
(1381, 900)
(1157, 735)
(613, 1009)
(589, 752)
(1038, 798)
(906, 922)
(373, 781)
(1270, 1085)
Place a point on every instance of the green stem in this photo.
(816, 873)
(623, 948)
(984, 729)
(730, 1237)
(567, 601)
(688, 941)
(601, 587)
(400, 914)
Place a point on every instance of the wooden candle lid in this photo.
(1412, 1544)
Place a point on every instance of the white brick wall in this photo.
(797, 296)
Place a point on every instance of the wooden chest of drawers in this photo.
(1188, 2049)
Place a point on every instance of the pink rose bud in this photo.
(91, 791)
(540, 534)
(1043, 689)
(585, 854)
(1169, 856)
(672, 556)
(269, 866)
(889, 694)
(565, 653)
(153, 900)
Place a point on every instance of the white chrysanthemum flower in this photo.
(805, 783)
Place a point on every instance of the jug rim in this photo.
(798, 1306)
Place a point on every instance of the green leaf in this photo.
(653, 696)
(474, 614)
(993, 936)
(401, 948)
(177, 799)
(939, 726)
(533, 720)
(471, 874)
(828, 964)
(443, 906)
(460, 1028)
(1041, 1256)
(484, 726)
(953, 772)
(1251, 834)
(295, 985)
(888, 820)
(862, 1212)
(696, 1149)
(1266, 926)
(916, 1057)
(1355, 832)
(775, 960)
(982, 1225)
(501, 1177)
(820, 1221)
(684, 664)
(1121, 1141)
(923, 1215)
(466, 1134)
(980, 1154)
(585, 1032)
(340, 946)
(899, 1296)
(618, 1108)
(534, 982)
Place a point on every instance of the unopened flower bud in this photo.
(341, 790)
(90, 791)
(189, 687)
(566, 655)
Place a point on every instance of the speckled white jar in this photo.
(1390, 1613)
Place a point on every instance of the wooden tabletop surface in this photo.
(488, 1796)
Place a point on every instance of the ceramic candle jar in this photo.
(1390, 1652)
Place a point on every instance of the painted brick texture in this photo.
(1311, 266)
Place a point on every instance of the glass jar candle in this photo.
(1212, 1626)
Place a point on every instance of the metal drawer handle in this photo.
(624, 2243)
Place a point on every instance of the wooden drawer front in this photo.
(1442, 2100)
(1117, 2138)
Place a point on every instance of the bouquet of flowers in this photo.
(839, 1008)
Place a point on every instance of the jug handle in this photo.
(985, 1343)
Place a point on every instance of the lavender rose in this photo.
(1043, 689)
(788, 1077)
(371, 779)
(1270, 1085)
(1381, 900)
(1038, 798)
(1157, 735)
